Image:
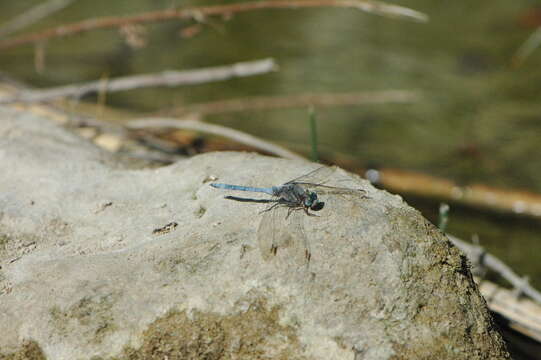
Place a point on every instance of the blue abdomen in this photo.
(269, 191)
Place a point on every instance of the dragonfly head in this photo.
(313, 203)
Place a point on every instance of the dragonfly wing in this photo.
(315, 180)
(317, 176)
(267, 233)
(332, 190)
(300, 252)
(281, 234)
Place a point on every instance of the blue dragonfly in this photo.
(282, 223)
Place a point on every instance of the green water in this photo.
(479, 119)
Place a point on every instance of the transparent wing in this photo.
(317, 176)
(268, 234)
(299, 252)
(315, 180)
(281, 234)
(332, 190)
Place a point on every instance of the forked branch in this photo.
(198, 13)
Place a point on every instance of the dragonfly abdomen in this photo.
(269, 191)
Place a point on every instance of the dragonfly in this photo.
(282, 223)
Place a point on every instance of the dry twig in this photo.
(33, 15)
(527, 48)
(165, 78)
(370, 6)
(236, 135)
(298, 101)
(523, 315)
(493, 263)
(408, 182)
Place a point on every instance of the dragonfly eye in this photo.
(318, 205)
(310, 200)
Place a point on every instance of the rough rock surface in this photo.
(89, 269)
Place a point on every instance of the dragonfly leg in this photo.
(270, 208)
(290, 209)
(308, 212)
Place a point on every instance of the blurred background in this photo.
(451, 102)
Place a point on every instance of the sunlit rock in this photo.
(98, 260)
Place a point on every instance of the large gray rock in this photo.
(85, 275)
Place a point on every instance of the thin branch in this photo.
(527, 48)
(370, 6)
(407, 182)
(236, 135)
(166, 78)
(523, 315)
(498, 266)
(32, 16)
(298, 101)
